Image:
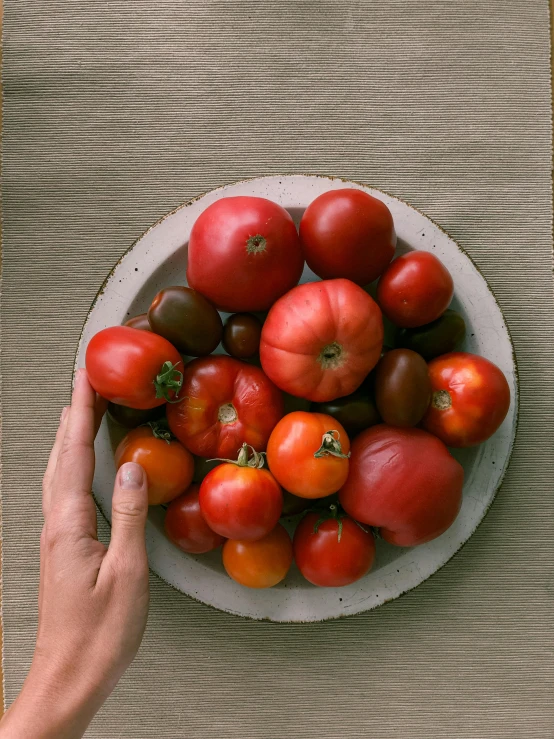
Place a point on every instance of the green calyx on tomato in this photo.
(331, 446)
(160, 429)
(332, 512)
(247, 457)
(256, 244)
(168, 381)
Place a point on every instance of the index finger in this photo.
(75, 467)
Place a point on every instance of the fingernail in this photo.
(79, 377)
(65, 411)
(131, 476)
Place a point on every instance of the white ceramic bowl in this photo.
(158, 259)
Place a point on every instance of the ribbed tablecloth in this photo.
(116, 112)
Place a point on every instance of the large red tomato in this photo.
(244, 253)
(132, 367)
(308, 454)
(333, 552)
(186, 527)
(240, 500)
(470, 399)
(404, 482)
(259, 564)
(225, 404)
(168, 465)
(348, 233)
(415, 290)
(321, 339)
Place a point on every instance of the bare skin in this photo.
(93, 600)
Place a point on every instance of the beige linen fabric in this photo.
(116, 112)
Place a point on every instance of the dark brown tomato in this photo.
(434, 339)
(241, 335)
(132, 417)
(402, 387)
(140, 322)
(187, 320)
(292, 504)
(355, 412)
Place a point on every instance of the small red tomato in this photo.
(333, 552)
(348, 233)
(470, 399)
(416, 289)
(141, 322)
(244, 253)
(186, 527)
(240, 500)
(404, 482)
(132, 367)
(225, 404)
(308, 454)
(321, 339)
(168, 465)
(259, 564)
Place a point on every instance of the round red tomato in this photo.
(168, 465)
(332, 552)
(244, 253)
(321, 339)
(404, 482)
(259, 564)
(470, 399)
(308, 454)
(415, 290)
(132, 367)
(186, 527)
(226, 403)
(348, 233)
(240, 500)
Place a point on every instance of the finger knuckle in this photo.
(128, 507)
(52, 537)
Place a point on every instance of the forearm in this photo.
(51, 706)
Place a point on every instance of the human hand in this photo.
(93, 600)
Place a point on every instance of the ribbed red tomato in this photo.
(321, 339)
(244, 253)
(470, 399)
(404, 482)
(348, 233)
(225, 404)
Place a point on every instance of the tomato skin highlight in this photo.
(240, 502)
(404, 482)
(348, 233)
(470, 399)
(326, 561)
(291, 455)
(259, 564)
(123, 363)
(186, 527)
(225, 403)
(415, 290)
(244, 253)
(169, 466)
(321, 340)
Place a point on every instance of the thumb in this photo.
(129, 511)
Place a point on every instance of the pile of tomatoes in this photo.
(308, 416)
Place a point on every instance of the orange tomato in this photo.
(308, 454)
(259, 564)
(168, 465)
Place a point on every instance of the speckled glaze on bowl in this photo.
(159, 259)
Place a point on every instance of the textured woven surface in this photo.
(115, 113)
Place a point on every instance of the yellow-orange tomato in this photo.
(168, 465)
(259, 564)
(308, 454)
